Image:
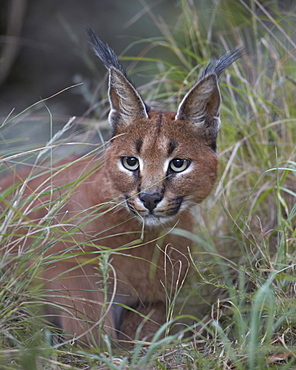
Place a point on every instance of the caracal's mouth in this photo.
(158, 213)
(154, 218)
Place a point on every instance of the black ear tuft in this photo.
(107, 56)
(218, 66)
(104, 52)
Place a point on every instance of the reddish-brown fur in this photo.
(148, 262)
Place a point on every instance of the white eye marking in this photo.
(130, 163)
(178, 164)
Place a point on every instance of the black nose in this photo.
(150, 200)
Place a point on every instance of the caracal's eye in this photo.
(179, 165)
(130, 163)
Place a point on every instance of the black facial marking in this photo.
(174, 206)
(172, 146)
(158, 123)
(157, 128)
(130, 204)
(214, 145)
(139, 144)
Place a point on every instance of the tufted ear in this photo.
(126, 103)
(201, 105)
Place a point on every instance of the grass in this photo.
(239, 301)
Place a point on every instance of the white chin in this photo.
(153, 221)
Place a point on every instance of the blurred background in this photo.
(44, 47)
(44, 50)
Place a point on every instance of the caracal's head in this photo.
(161, 163)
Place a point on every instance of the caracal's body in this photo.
(156, 166)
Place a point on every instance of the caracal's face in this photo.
(160, 163)
(158, 167)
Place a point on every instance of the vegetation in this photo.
(239, 304)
